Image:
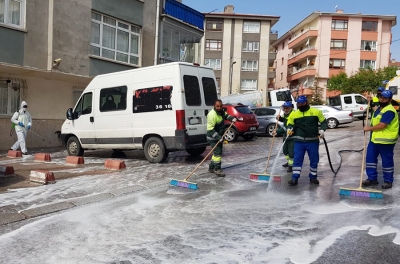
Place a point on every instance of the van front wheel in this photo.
(74, 148)
(155, 151)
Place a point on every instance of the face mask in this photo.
(304, 108)
(382, 105)
(218, 112)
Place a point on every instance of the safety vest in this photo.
(390, 133)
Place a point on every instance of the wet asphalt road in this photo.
(228, 220)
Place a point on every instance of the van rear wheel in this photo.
(155, 151)
(196, 151)
(74, 148)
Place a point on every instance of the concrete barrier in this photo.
(73, 160)
(42, 157)
(114, 164)
(41, 176)
(14, 154)
(6, 170)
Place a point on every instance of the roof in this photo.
(314, 15)
(273, 19)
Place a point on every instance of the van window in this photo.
(84, 105)
(335, 101)
(192, 90)
(113, 99)
(360, 100)
(347, 100)
(152, 99)
(209, 90)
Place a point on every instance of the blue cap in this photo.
(387, 94)
(287, 104)
(302, 99)
(381, 89)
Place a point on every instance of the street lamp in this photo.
(230, 77)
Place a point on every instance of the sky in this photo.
(292, 12)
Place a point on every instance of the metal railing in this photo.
(301, 34)
(301, 51)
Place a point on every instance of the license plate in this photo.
(252, 128)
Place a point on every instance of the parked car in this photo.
(246, 125)
(335, 116)
(266, 117)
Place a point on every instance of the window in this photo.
(218, 84)
(192, 90)
(213, 44)
(249, 65)
(360, 100)
(281, 78)
(338, 44)
(347, 100)
(113, 99)
(10, 97)
(369, 26)
(251, 27)
(213, 63)
(114, 39)
(12, 12)
(152, 99)
(367, 64)
(248, 85)
(368, 45)
(84, 105)
(214, 25)
(282, 61)
(339, 24)
(210, 91)
(250, 46)
(337, 63)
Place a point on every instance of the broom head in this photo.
(260, 176)
(361, 193)
(185, 184)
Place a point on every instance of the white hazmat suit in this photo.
(23, 122)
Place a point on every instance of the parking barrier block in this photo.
(6, 170)
(41, 176)
(42, 157)
(74, 160)
(14, 154)
(114, 164)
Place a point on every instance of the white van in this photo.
(355, 102)
(159, 109)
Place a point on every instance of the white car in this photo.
(335, 116)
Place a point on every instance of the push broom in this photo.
(191, 185)
(266, 176)
(360, 191)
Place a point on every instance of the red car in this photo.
(246, 125)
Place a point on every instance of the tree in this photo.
(317, 91)
(365, 80)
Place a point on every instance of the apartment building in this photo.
(50, 50)
(237, 47)
(324, 44)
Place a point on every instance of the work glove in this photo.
(29, 127)
(21, 124)
(234, 119)
(289, 132)
(321, 133)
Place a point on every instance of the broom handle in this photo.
(272, 143)
(364, 150)
(209, 152)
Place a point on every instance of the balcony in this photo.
(302, 72)
(184, 13)
(272, 56)
(305, 53)
(310, 32)
(271, 73)
(273, 36)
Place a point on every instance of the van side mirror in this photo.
(70, 114)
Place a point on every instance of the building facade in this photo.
(324, 44)
(237, 47)
(50, 50)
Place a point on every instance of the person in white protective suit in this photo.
(23, 122)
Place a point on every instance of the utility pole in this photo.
(230, 76)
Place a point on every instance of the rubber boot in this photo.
(211, 167)
(285, 165)
(290, 169)
(219, 173)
